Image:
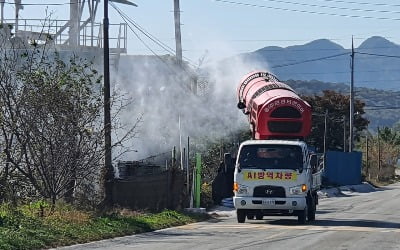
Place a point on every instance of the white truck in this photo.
(276, 177)
(275, 173)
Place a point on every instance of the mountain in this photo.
(376, 62)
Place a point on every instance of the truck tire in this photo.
(312, 207)
(241, 215)
(302, 216)
(259, 216)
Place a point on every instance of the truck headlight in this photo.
(240, 188)
(298, 189)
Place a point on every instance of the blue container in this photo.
(343, 168)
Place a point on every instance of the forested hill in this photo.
(382, 107)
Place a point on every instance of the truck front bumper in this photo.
(294, 203)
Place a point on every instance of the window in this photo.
(271, 157)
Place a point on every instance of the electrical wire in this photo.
(372, 108)
(289, 49)
(147, 46)
(305, 11)
(346, 72)
(333, 7)
(380, 55)
(41, 4)
(172, 70)
(310, 60)
(147, 34)
(362, 3)
(388, 80)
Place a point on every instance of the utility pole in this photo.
(366, 156)
(73, 23)
(379, 156)
(351, 136)
(178, 39)
(325, 130)
(18, 6)
(344, 133)
(109, 171)
(2, 10)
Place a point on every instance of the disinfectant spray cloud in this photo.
(177, 102)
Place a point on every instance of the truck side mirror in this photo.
(228, 162)
(313, 161)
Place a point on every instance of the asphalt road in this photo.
(353, 221)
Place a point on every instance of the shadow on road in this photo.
(169, 233)
(337, 223)
(357, 223)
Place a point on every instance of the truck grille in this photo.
(269, 191)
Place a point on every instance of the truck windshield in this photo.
(271, 157)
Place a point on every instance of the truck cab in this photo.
(276, 177)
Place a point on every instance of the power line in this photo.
(41, 4)
(362, 3)
(331, 1)
(333, 7)
(289, 49)
(383, 47)
(374, 108)
(380, 55)
(347, 72)
(329, 57)
(147, 34)
(123, 16)
(310, 60)
(305, 11)
(144, 43)
(44, 4)
(383, 80)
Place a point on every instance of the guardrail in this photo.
(90, 33)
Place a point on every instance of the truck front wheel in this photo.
(302, 216)
(241, 215)
(312, 207)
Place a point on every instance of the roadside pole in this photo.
(198, 180)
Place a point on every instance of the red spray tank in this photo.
(274, 110)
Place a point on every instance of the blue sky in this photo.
(220, 28)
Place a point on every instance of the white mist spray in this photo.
(171, 111)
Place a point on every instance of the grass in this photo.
(28, 227)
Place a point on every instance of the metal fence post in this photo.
(198, 179)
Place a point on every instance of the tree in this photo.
(337, 107)
(51, 122)
(383, 154)
(390, 135)
(215, 149)
(51, 126)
